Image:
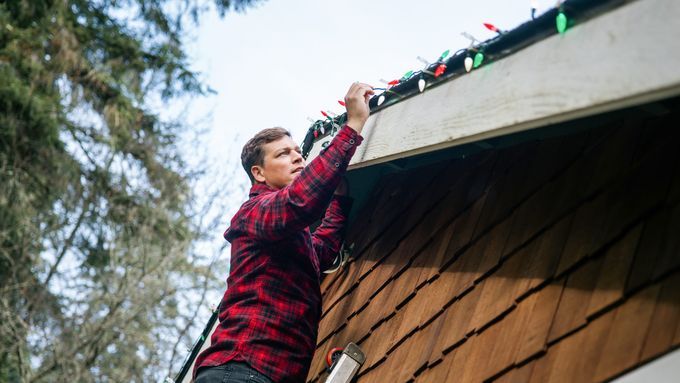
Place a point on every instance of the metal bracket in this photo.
(347, 365)
(340, 259)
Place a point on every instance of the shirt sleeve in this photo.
(327, 238)
(273, 216)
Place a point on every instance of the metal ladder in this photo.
(347, 365)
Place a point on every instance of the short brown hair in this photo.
(253, 154)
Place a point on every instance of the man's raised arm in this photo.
(273, 216)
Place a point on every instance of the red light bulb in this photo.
(491, 27)
(440, 70)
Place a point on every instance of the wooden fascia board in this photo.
(625, 57)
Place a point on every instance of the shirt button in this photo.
(337, 164)
(351, 141)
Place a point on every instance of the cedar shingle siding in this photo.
(550, 260)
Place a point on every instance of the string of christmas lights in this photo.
(472, 57)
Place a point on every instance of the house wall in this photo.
(551, 260)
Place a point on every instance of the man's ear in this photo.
(258, 173)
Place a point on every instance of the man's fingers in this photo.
(367, 93)
(359, 90)
(363, 88)
(350, 90)
(358, 93)
(353, 90)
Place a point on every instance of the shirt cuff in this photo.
(349, 135)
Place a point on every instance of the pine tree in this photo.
(95, 199)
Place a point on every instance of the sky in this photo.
(283, 61)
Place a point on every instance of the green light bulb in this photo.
(561, 22)
(444, 55)
(479, 57)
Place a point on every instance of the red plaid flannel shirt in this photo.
(269, 315)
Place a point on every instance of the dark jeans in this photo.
(232, 372)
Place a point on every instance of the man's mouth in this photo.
(298, 169)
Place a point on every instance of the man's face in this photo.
(282, 163)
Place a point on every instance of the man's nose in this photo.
(297, 157)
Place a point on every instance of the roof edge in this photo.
(600, 65)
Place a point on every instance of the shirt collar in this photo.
(260, 188)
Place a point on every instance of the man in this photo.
(270, 313)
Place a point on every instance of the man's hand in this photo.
(356, 102)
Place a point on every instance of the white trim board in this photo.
(625, 57)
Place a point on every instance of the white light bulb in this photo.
(421, 85)
(468, 64)
(381, 99)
